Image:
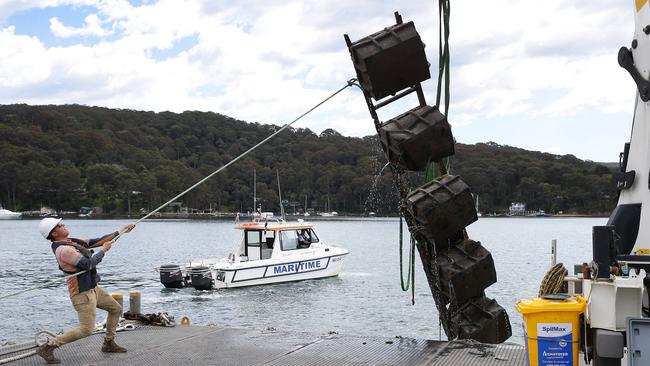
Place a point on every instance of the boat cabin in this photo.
(261, 240)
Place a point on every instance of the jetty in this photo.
(215, 345)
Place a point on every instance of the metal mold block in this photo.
(390, 60)
(465, 270)
(482, 319)
(441, 208)
(417, 137)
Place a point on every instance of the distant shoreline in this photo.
(232, 216)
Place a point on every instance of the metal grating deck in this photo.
(202, 345)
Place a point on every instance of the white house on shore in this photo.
(517, 209)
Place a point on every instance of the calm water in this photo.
(365, 299)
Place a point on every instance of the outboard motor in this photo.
(171, 276)
(201, 278)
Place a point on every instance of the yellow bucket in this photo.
(552, 330)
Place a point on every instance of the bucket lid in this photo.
(538, 305)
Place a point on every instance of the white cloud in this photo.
(592, 84)
(12, 7)
(19, 59)
(92, 27)
(268, 61)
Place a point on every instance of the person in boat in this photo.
(73, 256)
(303, 239)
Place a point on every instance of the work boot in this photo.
(111, 347)
(46, 351)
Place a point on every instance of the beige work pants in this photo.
(85, 303)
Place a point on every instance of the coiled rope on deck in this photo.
(231, 162)
(553, 282)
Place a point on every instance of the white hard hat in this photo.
(47, 225)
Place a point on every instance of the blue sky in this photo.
(542, 78)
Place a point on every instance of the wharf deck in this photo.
(212, 345)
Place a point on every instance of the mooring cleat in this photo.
(111, 347)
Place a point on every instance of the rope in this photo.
(410, 277)
(553, 282)
(439, 169)
(99, 328)
(436, 170)
(27, 354)
(17, 357)
(348, 84)
(44, 284)
(443, 52)
(413, 271)
(13, 348)
(443, 74)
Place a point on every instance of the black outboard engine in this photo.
(201, 278)
(171, 276)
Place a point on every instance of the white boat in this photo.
(9, 215)
(268, 253)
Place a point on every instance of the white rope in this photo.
(349, 83)
(45, 284)
(13, 348)
(17, 357)
(27, 354)
(99, 328)
(122, 325)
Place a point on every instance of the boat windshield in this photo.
(297, 239)
(312, 236)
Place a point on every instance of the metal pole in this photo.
(553, 252)
(277, 173)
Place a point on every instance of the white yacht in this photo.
(269, 252)
(9, 215)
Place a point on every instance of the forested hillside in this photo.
(70, 156)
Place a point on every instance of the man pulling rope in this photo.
(76, 257)
(78, 261)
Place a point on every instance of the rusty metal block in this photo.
(417, 137)
(482, 319)
(390, 60)
(441, 208)
(465, 270)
